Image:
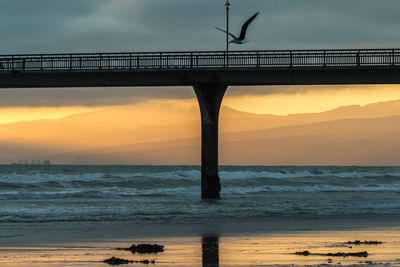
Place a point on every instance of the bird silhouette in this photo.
(242, 37)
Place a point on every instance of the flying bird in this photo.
(242, 37)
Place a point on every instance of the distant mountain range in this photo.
(169, 134)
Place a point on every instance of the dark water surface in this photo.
(87, 193)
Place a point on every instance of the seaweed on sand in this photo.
(118, 261)
(144, 248)
(365, 242)
(363, 254)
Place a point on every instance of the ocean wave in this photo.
(290, 174)
(188, 191)
(163, 192)
(226, 173)
(192, 210)
(186, 178)
(44, 177)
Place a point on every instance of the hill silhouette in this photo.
(169, 134)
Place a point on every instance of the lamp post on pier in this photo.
(227, 4)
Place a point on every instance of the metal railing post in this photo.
(258, 59)
(191, 60)
(393, 64)
(358, 58)
(70, 62)
(291, 59)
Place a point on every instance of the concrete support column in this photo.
(210, 98)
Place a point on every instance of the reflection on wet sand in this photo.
(334, 248)
(210, 251)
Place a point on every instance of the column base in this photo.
(210, 186)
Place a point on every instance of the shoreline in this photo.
(31, 234)
(257, 241)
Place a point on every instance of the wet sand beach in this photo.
(258, 241)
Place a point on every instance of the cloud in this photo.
(54, 97)
(47, 26)
(293, 89)
(141, 25)
(114, 96)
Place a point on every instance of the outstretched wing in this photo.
(245, 25)
(233, 36)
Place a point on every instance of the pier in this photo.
(210, 73)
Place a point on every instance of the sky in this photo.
(49, 26)
(46, 26)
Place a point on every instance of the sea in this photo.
(36, 193)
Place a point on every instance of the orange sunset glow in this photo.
(15, 114)
(312, 99)
(147, 131)
(309, 99)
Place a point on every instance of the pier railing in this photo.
(202, 60)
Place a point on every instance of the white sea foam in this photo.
(276, 173)
(192, 191)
